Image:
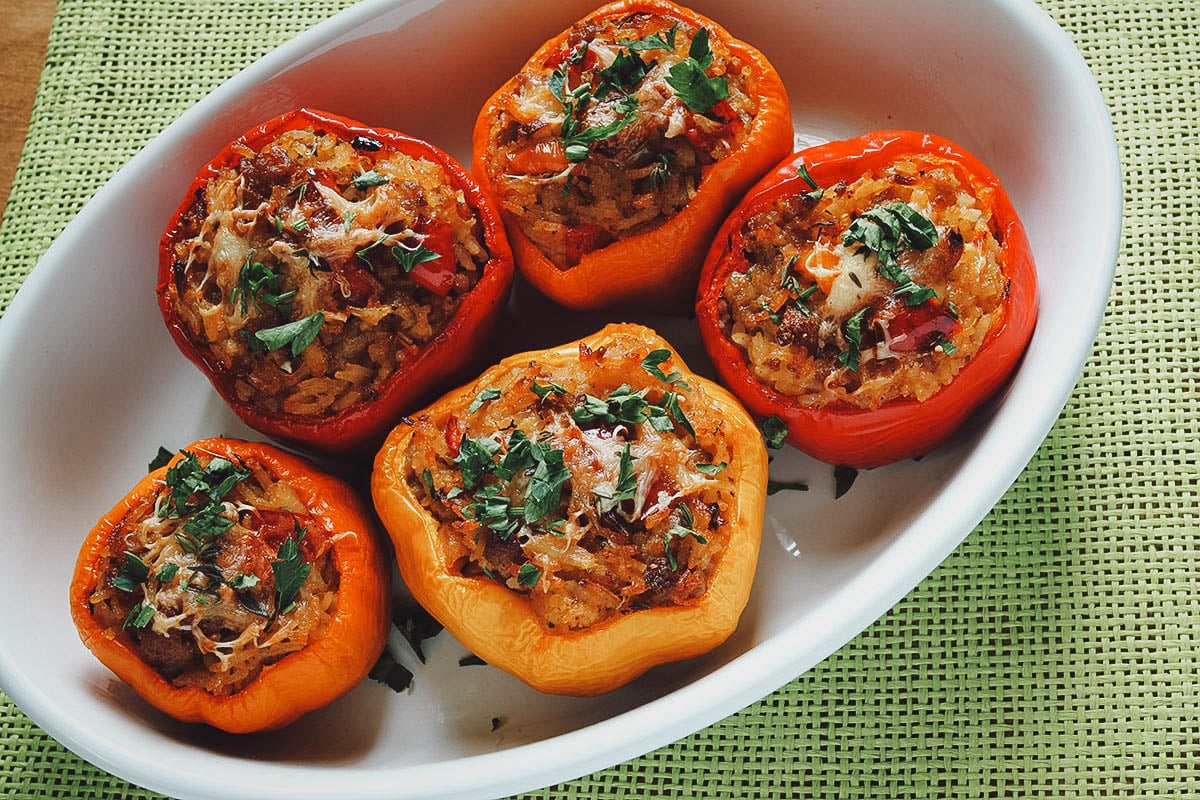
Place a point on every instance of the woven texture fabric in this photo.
(1052, 655)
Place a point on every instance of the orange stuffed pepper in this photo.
(869, 294)
(578, 515)
(237, 586)
(618, 149)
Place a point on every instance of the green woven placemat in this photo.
(1052, 655)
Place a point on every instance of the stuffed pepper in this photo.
(327, 277)
(869, 294)
(621, 145)
(578, 515)
(236, 586)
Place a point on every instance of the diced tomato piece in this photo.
(583, 239)
(920, 327)
(538, 158)
(453, 432)
(437, 275)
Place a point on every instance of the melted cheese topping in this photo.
(311, 224)
(621, 538)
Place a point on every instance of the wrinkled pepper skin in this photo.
(359, 427)
(656, 270)
(904, 428)
(498, 625)
(301, 681)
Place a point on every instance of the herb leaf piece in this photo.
(369, 179)
(694, 88)
(291, 571)
(161, 459)
(528, 575)
(298, 334)
(131, 573)
(408, 258)
(774, 431)
(653, 362)
(849, 358)
(481, 398)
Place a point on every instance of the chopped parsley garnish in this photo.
(543, 392)
(817, 192)
(390, 672)
(680, 531)
(948, 347)
(298, 334)
(187, 479)
(244, 581)
(577, 141)
(161, 459)
(692, 85)
(670, 404)
(166, 573)
(139, 616)
(626, 488)
(131, 573)
(843, 479)
(774, 431)
(852, 330)
(364, 255)
(661, 171)
(653, 362)
(369, 179)
(622, 75)
(884, 231)
(474, 459)
(291, 571)
(712, 469)
(774, 487)
(657, 41)
(528, 575)
(481, 398)
(259, 283)
(550, 475)
(494, 510)
(409, 257)
(622, 405)
(210, 521)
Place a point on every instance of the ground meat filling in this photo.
(212, 589)
(581, 487)
(600, 143)
(867, 291)
(311, 271)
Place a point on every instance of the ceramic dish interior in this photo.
(85, 403)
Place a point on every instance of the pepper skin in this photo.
(655, 270)
(901, 428)
(499, 625)
(301, 681)
(359, 426)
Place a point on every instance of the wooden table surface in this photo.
(24, 28)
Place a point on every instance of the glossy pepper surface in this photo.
(302, 680)
(427, 367)
(655, 269)
(500, 625)
(901, 428)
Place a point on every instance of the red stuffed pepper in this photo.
(869, 294)
(327, 277)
